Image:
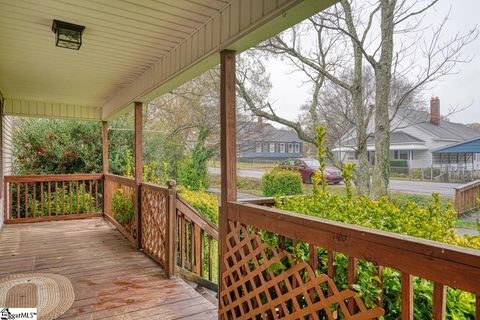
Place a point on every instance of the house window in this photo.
(297, 147)
(258, 147)
(282, 147)
(272, 147)
(400, 154)
(290, 148)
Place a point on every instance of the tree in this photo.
(384, 36)
(44, 146)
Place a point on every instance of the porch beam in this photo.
(228, 148)
(138, 171)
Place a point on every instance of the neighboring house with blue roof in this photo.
(416, 134)
(262, 141)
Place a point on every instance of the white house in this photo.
(415, 135)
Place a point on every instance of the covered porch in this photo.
(130, 54)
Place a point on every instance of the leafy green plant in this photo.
(432, 220)
(194, 171)
(206, 203)
(281, 182)
(122, 207)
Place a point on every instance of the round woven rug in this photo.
(51, 294)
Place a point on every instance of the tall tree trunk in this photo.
(383, 77)
(362, 176)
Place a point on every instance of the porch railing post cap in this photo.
(171, 183)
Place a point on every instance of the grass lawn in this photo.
(245, 165)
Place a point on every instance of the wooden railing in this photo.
(466, 197)
(52, 197)
(120, 191)
(255, 286)
(196, 245)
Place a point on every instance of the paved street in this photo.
(414, 187)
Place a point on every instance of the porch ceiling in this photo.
(132, 50)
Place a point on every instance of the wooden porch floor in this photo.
(111, 280)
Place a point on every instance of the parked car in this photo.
(307, 168)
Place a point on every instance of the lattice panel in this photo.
(154, 223)
(255, 288)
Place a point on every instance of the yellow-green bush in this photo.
(280, 182)
(122, 207)
(206, 203)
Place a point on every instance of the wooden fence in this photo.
(466, 197)
(52, 197)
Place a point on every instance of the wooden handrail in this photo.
(54, 177)
(129, 182)
(442, 263)
(468, 185)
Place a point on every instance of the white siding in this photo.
(6, 157)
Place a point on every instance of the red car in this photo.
(307, 168)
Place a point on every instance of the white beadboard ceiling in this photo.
(131, 48)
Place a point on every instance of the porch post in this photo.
(228, 150)
(104, 162)
(105, 146)
(138, 172)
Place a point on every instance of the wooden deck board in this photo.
(110, 278)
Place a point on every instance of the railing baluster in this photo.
(10, 204)
(34, 204)
(313, 256)
(439, 301)
(352, 279)
(90, 197)
(210, 259)
(407, 296)
(84, 193)
(19, 186)
(96, 196)
(56, 198)
(26, 199)
(49, 195)
(76, 198)
(330, 267)
(63, 197)
(477, 311)
(70, 191)
(380, 285)
(181, 232)
(41, 199)
(198, 243)
(192, 246)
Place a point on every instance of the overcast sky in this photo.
(461, 89)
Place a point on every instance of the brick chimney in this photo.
(261, 124)
(435, 111)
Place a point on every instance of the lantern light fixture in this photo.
(67, 35)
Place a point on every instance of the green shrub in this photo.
(398, 163)
(280, 182)
(194, 172)
(206, 203)
(122, 207)
(61, 202)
